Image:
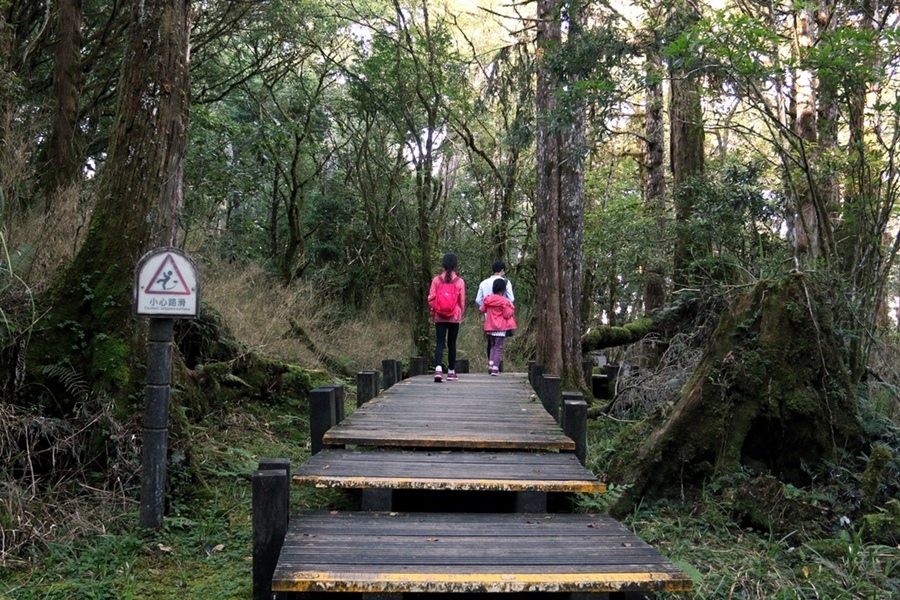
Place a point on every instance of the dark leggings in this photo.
(449, 331)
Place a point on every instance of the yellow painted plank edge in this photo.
(309, 581)
(502, 485)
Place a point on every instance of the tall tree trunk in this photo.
(139, 195)
(63, 153)
(807, 216)
(548, 327)
(686, 142)
(560, 207)
(654, 292)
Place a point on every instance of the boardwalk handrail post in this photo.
(574, 422)
(417, 365)
(274, 464)
(550, 395)
(535, 373)
(600, 387)
(321, 416)
(366, 386)
(270, 521)
(338, 397)
(389, 372)
(462, 365)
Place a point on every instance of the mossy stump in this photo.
(771, 394)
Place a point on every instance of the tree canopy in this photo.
(621, 161)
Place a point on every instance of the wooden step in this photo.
(448, 470)
(531, 475)
(463, 553)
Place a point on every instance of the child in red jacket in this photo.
(498, 312)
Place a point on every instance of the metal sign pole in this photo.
(156, 422)
(166, 287)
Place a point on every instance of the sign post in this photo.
(166, 287)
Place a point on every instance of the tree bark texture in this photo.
(139, 195)
(686, 146)
(548, 327)
(64, 158)
(654, 292)
(560, 207)
(807, 212)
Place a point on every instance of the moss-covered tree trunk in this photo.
(139, 197)
(771, 394)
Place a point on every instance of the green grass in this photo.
(203, 549)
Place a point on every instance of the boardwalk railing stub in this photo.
(391, 372)
(366, 386)
(574, 422)
(322, 415)
(270, 502)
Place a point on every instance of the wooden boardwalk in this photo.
(478, 434)
(477, 412)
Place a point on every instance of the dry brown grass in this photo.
(38, 244)
(44, 496)
(260, 310)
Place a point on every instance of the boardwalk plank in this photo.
(448, 470)
(461, 553)
(477, 412)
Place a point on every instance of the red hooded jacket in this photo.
(498, 313)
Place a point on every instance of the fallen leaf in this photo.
(163, 548)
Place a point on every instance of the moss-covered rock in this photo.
(602, 337)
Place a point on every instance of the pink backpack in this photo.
(446, 300)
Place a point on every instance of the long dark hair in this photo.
(449, 263)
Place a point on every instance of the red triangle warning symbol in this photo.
(168, 280)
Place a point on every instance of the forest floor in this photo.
(203, 549)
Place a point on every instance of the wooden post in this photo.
(530, 366)
(550, 394)
(612, 373)
(321, 416)
(531, 502)
(599, 387)
(270, 520)
(535, 374)
(574, 422)
(462, 365)
(389, 372)
(338, 397)
(417, 365)
(276, 464)
(377, 499)
(366, 386)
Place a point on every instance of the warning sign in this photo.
(167, 284)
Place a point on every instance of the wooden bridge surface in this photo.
(480, 432)
(477, 412)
